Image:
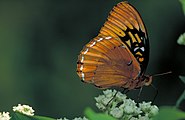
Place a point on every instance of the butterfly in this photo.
(119, 55)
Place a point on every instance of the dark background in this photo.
(40, 42)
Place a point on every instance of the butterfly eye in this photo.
(148, 80)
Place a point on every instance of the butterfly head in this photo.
(147, 80)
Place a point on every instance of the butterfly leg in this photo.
(125, 91)
(139, 94)
(111, 99)
(156, 93)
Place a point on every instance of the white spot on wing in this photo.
(123, 46)
(86, 51)
(99, 39)
(93, 44)
(108, 37)
(83, 76)
(142, 48)
(82, 59)
(81, 67)
(136, 49)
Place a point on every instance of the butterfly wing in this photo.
(107, 62)
(125, 23)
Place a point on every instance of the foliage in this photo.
(169, 113)
(182, 97)
(97, 116)
(183, 5)
(20, 116)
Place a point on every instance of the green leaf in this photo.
(91, 115)
(182, 78)
(42, 118)
(181, 39)
(181, 98)
(169, 113)
(20, 116)
(183, 5)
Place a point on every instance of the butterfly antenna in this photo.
(161, 74)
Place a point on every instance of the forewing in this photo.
(125, 23)
(107, 62)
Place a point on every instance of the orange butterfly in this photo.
(119, 55)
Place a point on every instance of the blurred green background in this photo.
(40, 42)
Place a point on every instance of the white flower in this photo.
(63, 119)
(133, 118)
(127, 117)
(119, 106)
(144, 118)
(109, 93)
(4, 116)
(150, 110)
(145, 106)
(24, 109)
(120, 97)
(103, 100)
(99, 98)
(84, 118)
(116, 112)
(101, 106)
(129, 107)
(79, 118)
(153, 110)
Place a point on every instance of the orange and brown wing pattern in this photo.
(107, 62)
(124, 22)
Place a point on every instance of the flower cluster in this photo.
(119, 106)
(24, 109)
(79, 118)
(4, 116)
(112, 102)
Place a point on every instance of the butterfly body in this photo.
(119, 55)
